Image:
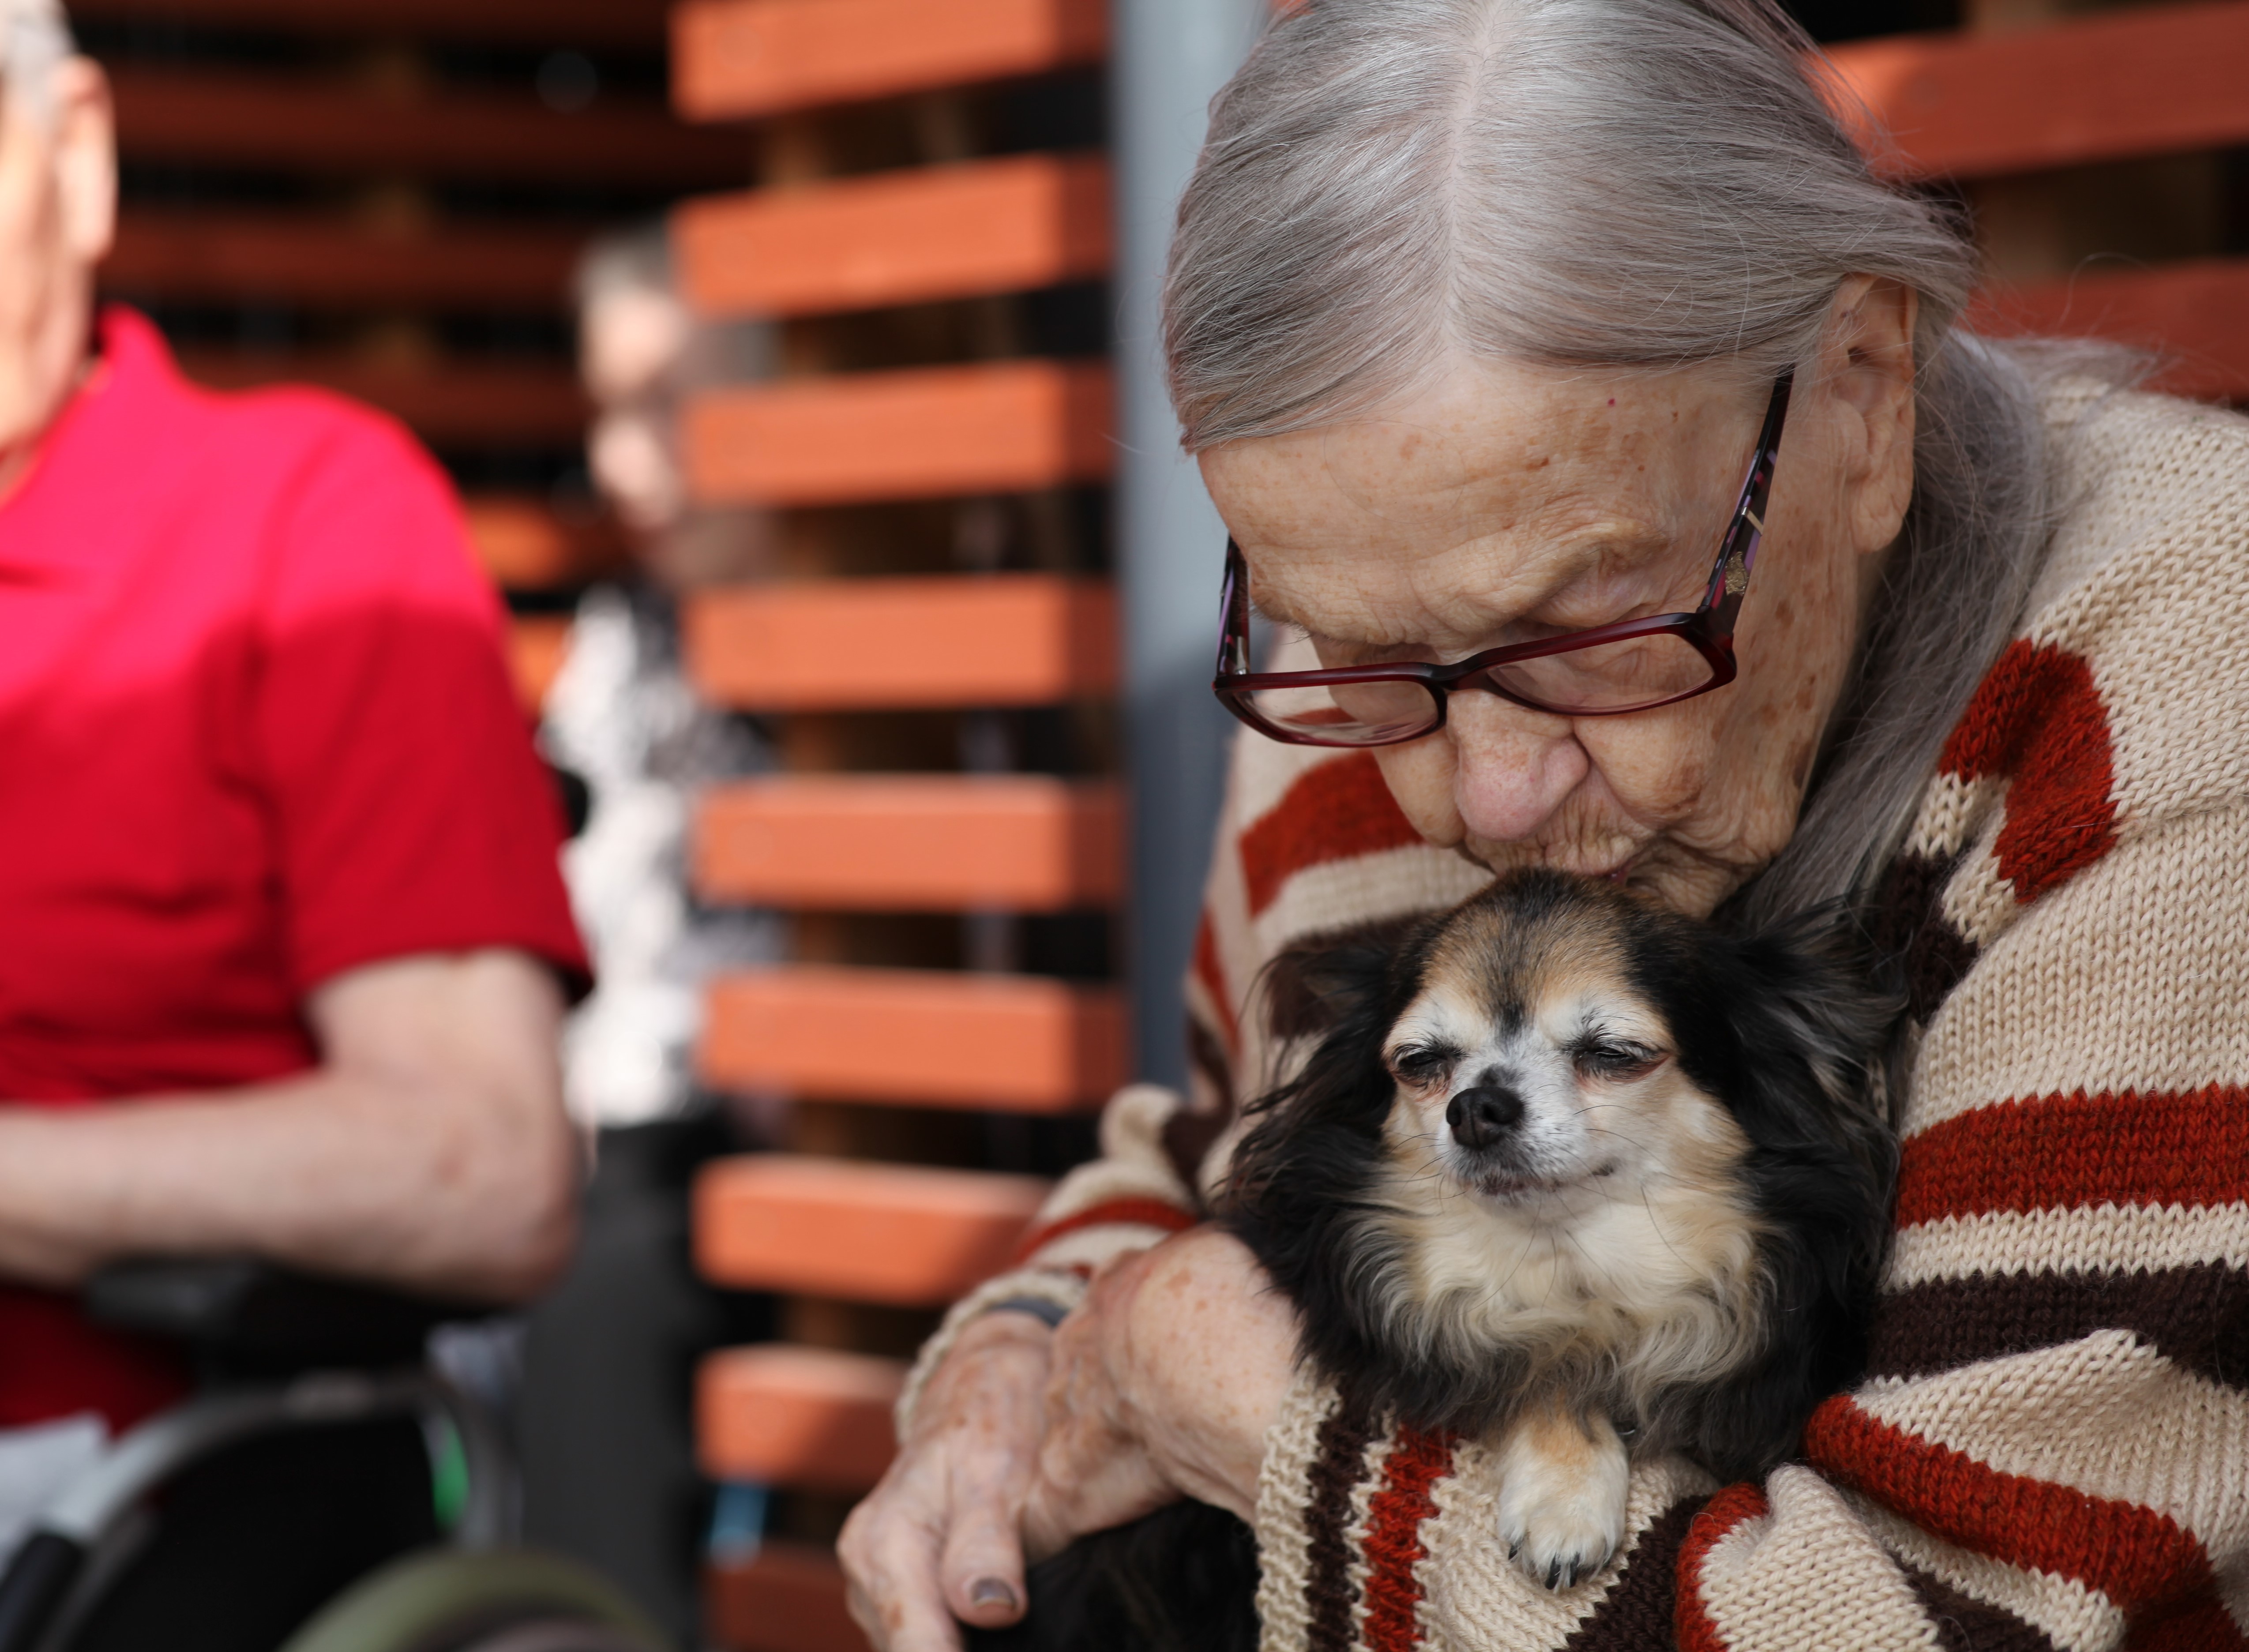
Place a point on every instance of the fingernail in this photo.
(992, 1592)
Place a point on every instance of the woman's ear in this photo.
(86, 159)
(1867, 366)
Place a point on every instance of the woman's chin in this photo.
(1685, 884)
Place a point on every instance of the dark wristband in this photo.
(1051, 1314)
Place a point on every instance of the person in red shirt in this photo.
(284, 946)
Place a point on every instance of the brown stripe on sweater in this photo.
(1910, 926)
(1638, 1613)
(2198, 1317)
(1338, 1464)
(1966, 1625)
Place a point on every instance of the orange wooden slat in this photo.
(733, 58)
(925, 433)
(2194, 314)
(272, 122)
(1002, 639)
(2101, 88)
(168, 253)
(803, 1417)
(789, 1599)
(580, 22)
(526, 546)
(536, 643)
(933, 842)
(452, 401)
(905, 237)
(904, 1235)
(1017, 1043)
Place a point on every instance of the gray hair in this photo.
(1621, 184)
(34, 41)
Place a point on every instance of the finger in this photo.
(982, 1571)
(890, 1571)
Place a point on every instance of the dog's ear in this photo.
(1314, 987)
(1790, 1031)
(1811, 987)
(1310, 1137)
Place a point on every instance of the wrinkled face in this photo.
(1531, 1072)
(1502, 503)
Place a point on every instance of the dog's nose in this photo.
(1481, 1117)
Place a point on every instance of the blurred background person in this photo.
(609, 1458)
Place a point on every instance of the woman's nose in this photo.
(1513, 766)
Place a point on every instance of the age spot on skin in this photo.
(1799, 767)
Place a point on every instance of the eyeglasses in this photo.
(1630, 665)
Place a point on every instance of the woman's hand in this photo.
(1162, 1384)
(938, 1539)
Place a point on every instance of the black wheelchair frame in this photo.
(278, 1350)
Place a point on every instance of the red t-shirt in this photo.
(256, 729)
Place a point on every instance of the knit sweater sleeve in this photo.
(2051, 1447)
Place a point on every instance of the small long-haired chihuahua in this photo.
(1567, 1173)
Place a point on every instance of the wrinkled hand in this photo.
(1164, 1385)
(1161, 1385)
(938, 1539)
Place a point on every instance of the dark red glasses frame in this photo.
(1708, 629)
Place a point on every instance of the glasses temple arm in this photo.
(1730, 578)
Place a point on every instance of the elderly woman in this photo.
(1476, 310)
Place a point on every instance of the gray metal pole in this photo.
(1168, 58)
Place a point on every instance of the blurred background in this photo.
(792, 358)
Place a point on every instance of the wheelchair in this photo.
(282, 1357)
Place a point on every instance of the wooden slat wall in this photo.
(925, 433)
(936, 232)
(293, 123)
(869, 436)
(739, 57)
(581, 22)
(2089, 146)
(1007, 639)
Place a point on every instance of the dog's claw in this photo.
(1514, 1550)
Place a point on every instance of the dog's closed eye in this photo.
(1423, 1065)
(1618, 1060)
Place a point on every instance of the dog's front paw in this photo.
(1561, 1498)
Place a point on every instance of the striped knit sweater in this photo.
(2051, 1448)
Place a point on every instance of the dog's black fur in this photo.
(1782, 1030)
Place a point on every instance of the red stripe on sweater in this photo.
(1137, 1212)
(2064, 1152)
(2201, 1624)
(2134, 1555)
(1394, 1537)
(1722, 1514)
(1333, 812)
(2037, 717)
(1212, 974)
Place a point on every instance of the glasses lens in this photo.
(1610, 676)
(1348, 713)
